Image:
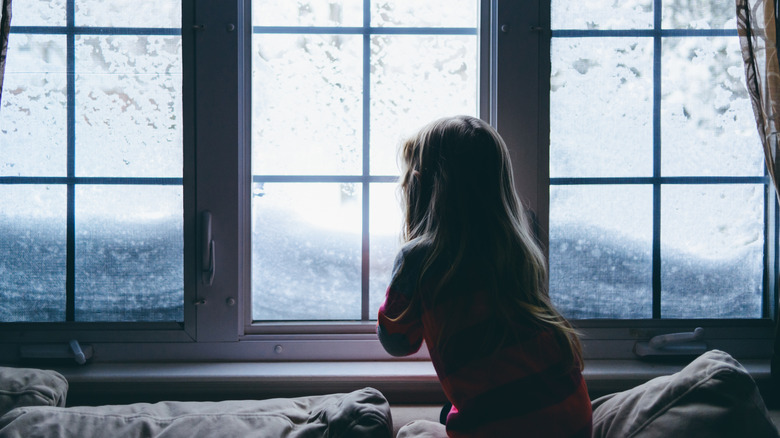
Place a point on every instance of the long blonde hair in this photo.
(458, 189)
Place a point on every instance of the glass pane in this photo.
(430, 13)
(34, 107)
(128, 106)
(38, 13)
(307, 104)
(32, 253)
(598, 14)
(698, 14)
(306, 251)
(706, 113)
(601, 251)
(307, 13)
(601, 108)
(712, 246)
(415, 80)
(129, 253)
(386, 219)
(135, 13)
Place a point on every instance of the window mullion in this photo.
(366, 255)
(70, 262)
(219, 104)
(656, 270)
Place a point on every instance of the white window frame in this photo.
(217, 178)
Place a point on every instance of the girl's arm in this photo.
(401, 331)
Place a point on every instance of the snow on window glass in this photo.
(332, 108)
(666, 111)
(80, 102)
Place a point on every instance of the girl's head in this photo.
(458, 190)
(457, 177)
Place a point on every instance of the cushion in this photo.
(31, 387)
(361, 413)
(714, 396)
(423, 429)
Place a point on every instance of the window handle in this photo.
(207, 252)
(661, 341)
(673, 344)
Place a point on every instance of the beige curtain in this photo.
(757, 26)
(5, 29)
(757, 29)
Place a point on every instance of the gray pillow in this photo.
(714, 396)
(31, 387)
(362, 413)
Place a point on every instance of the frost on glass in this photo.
(601, 109)
(32, 253)
(706, 114)
(128, 106)
(601, 251)
(33, 122)
(307, 13)
(306, 251)
(602, 15)
(712, 244)
(430, 13)
(386, 219)
(128, 13)
(415, 80)
(698, 14)
(38, 13)
(129, 253)
(307, 104)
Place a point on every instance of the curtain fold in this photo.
(5, 29)
(757, 27)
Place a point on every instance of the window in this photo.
(658, 193)
(661, 213)
(350, 79)
(91, 171)
(280, 120)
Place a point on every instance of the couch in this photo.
(32, 404)
(713, 396)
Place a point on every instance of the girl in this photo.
(471, 282)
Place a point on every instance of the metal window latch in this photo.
(72, 350)
(78, 354)
(673, 344)
(207, 251)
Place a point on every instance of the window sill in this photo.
(405, 382)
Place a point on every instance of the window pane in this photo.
(318, 143)
(129, 253)
(601, 251)
(135, 13)
(698, 14)
(415, 80)
(430, 13)
(601, 109)
(307, 13)
(111, 104)
(706, 113)
(386, 220)
(306, 251)
(128, 113)
(38, 13)
(32, 253)
(33, 122)
(307, 104)
(598, 14)
(712, 247)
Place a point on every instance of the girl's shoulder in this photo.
(414, 249)
(408, 265)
